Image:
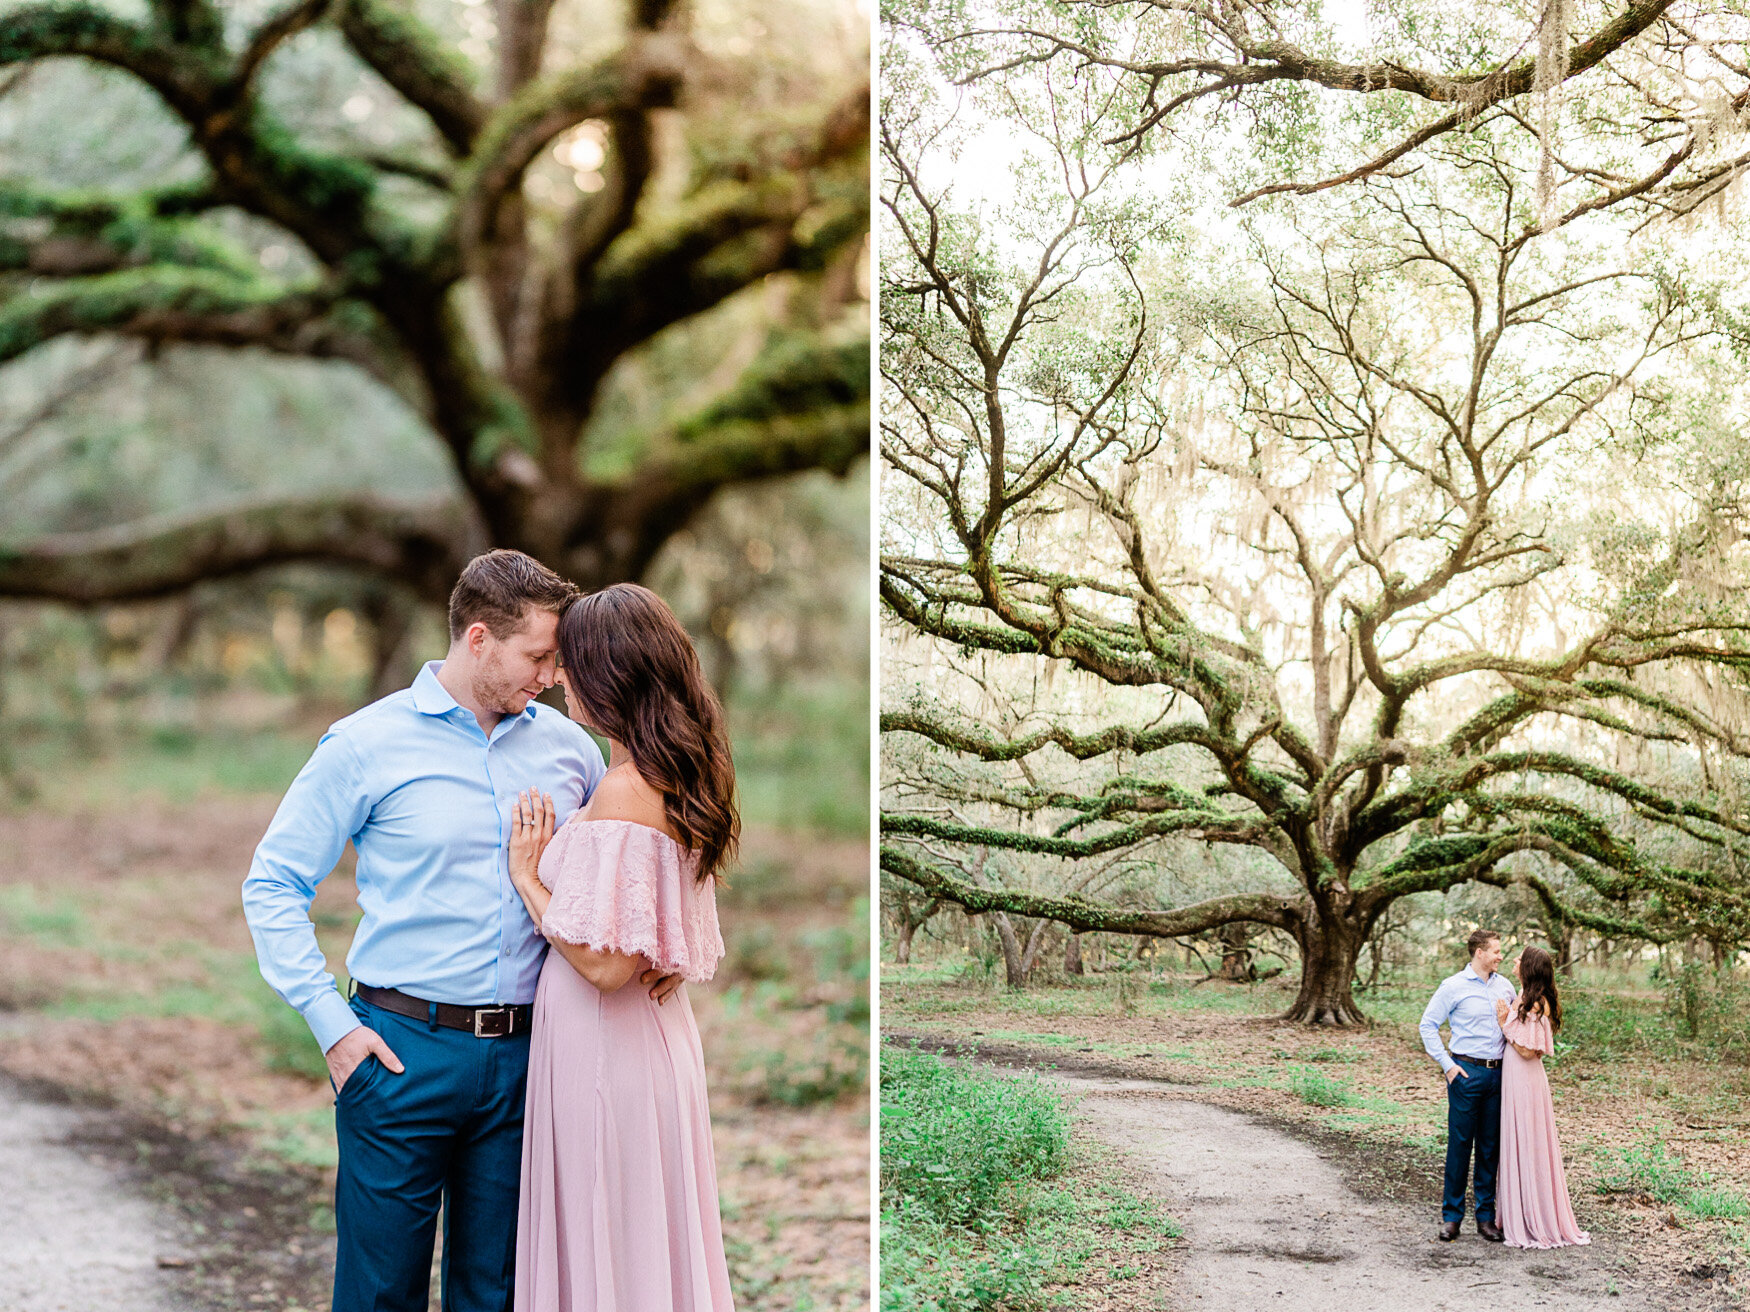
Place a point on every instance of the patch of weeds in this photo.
(302, 1138)
(57, 923)
(1317, 1089)
(756, 954)
(928, 1265)
(977, 1210)
(953, 1139)
(1717, 1204)
(816, 1076)
(747, 1282)
(287, 1044)
(1651, 1169)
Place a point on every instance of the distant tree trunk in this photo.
(1374, 950)
(1561, 945)
(1072, 955)
(1035, 941)
(1017, 977)
(908, 918)
(1018, 962)
(1236, 953)
(902, 940)
(171, 638)
(390, 613)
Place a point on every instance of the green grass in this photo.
(51, 921)
(975, 1210)
(1318, 1089)
(829, 1058)
(802, 759)
(1649, 1167)
(953, 1138)
(167, 762)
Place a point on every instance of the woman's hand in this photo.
(1501, 1011)
(531, 829)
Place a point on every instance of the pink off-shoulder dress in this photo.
(1533, 1187)
(619, 1190)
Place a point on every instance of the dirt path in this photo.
(78, 1235)
(1271, 1220)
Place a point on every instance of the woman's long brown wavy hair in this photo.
(1537, 973)
(635, 674)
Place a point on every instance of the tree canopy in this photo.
(494, 212)
(1390, 531)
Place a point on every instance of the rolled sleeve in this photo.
(1436, 1013)
(324, 807)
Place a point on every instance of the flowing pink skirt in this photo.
(619, 1190)
(1534, 1207)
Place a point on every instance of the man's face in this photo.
(510, 672)
(1487, 959)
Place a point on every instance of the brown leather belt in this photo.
(1488, 1062)
(481, 1022)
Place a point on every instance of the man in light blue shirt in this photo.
(430, 1057)
(1465, 1002)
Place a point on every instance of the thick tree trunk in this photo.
(1072, 955)
(1330, 947)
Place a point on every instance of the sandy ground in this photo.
(1270, 1222)
(79, 1234)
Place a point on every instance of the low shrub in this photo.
(952, 1139)
(1318, 1089)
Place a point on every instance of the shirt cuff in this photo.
(330, 1019)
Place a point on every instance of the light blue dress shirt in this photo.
(426, 798)
(1466, 1002)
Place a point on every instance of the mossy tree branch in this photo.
(414, 60)
(423, 543)
(1084, 915)
(564, 310)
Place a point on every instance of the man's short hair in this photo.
(1481, 938)
(496, 589)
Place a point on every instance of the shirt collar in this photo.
(1470, 972)
(429, 696)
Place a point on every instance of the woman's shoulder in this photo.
(624, 794)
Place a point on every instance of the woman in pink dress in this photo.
(1533, 1187)
(619, 1190)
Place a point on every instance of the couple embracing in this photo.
(519, 1048)
(1498, 1098)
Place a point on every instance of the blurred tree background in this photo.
(302, 305)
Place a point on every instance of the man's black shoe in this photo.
(1448, 1231)
(1490, 1231)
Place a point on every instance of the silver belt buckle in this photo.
(500, 1017)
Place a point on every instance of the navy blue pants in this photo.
(1473, 1119)
(448, 1129)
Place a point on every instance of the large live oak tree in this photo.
(510, 391)
(1406, 548)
